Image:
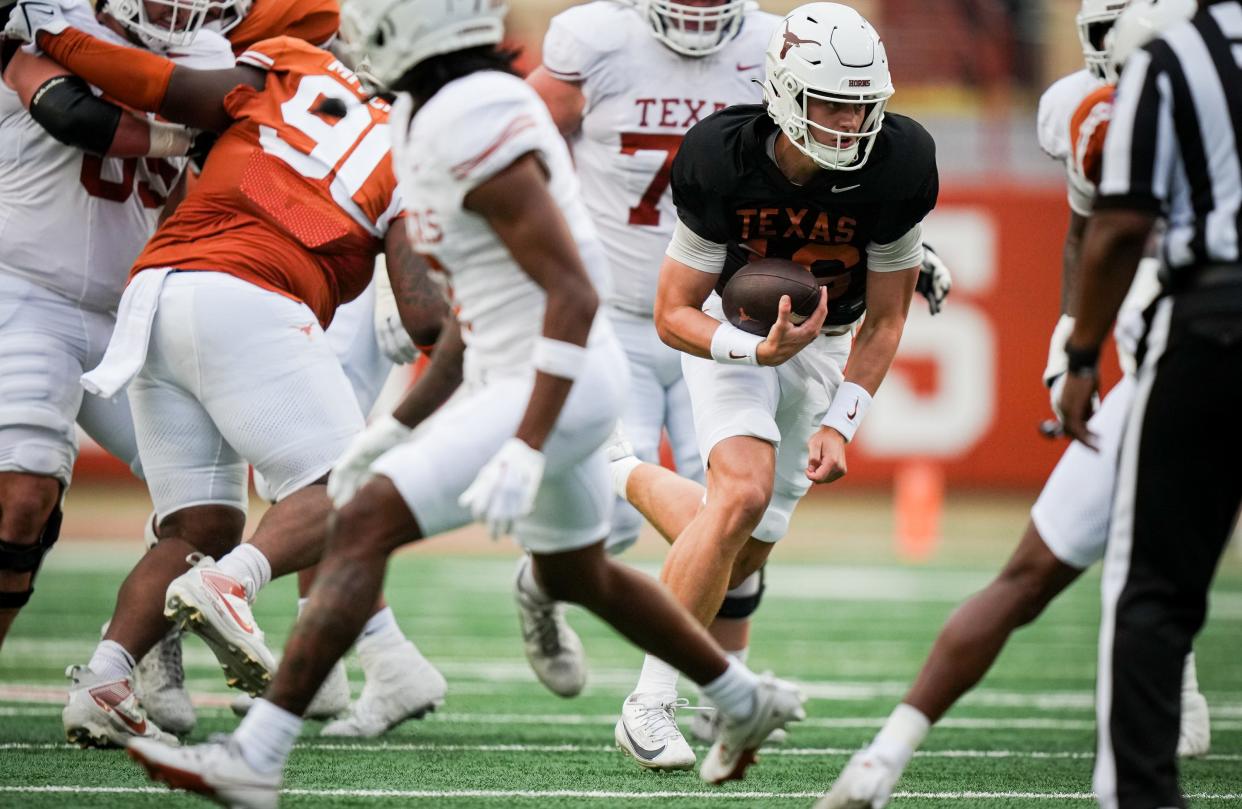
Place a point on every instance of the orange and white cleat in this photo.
(214, 606)
(105, 713)
(777, 703)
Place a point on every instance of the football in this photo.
(753, 295)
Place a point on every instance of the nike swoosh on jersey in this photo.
(836, 190)
(741, 68)
(639, 750)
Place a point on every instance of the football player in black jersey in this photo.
(820, 175)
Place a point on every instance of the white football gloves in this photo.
(505, 488)
(394, 341)
(934, 280)
(29, 17)
(1058, 363)
(353, 468)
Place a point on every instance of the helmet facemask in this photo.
(694, 30)
(176, 23)
(1094, 22)
(225, 15)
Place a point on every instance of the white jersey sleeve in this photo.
(580, 40)
(467, 133)
(1056, 107)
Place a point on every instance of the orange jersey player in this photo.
(247, 22)
(219, 336)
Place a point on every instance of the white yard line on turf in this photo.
(602, 794)
(430, 747)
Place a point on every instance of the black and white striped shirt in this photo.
(1175, 138)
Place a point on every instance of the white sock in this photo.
(266, 735)
(621, 470)
(302, 602)
(733, 692)
(1190, 676)
(657, 677)
(110, 661)
(739, 655)
(901, 735)
(529, 585)
(248, 565)
(381, 629)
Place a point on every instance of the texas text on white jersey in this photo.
(641, 97)
(1056, 107)
(74, 222)
(472, 129)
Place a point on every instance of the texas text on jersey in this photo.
(747, 203)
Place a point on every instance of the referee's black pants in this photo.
(1179, 486)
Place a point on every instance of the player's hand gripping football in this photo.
(353, 468)
(29, 17)
(934, 282)
(505, 488)
(826, 456)
(787, 338)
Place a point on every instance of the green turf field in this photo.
(854, 636)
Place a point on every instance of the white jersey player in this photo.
(1069, 525)
(493, 202)
(71, 223)
(624, 83)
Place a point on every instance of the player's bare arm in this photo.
(564, 99)
(1069, 260)
(65, 106)
(438, 381)
(420, 300)
(519, 208)
(1112, 248)
(682, 324)
(145, 81)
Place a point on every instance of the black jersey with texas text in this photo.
(728, 190)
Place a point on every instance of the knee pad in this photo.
(22, 558)
(743, 600)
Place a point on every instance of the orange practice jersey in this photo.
(314, 21)
(292, 199)
(1088, 128)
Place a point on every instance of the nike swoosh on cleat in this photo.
(139, 728)
(639, 750)
(225, 587)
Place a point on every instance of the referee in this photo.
(1173, 151)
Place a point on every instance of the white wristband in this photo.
(167, 140)
(847, 410)
(559, 358)
(1057, 361)
(733, 346)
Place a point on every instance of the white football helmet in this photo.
(224, 15)
(694, 28)
(160, 24)
(392, 36)
(1095, 19)
(829, 52)
(1140, 23)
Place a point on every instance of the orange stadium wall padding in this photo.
(965, 392)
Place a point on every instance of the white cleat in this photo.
(1195, 737)
(705, 727)
(213, 605)
(331, 700)
(105, 713)
(866, 783)
(215, 770)
(159, 682)
(647, 732)
(777, 703)
(400, 684)
(553, 648)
